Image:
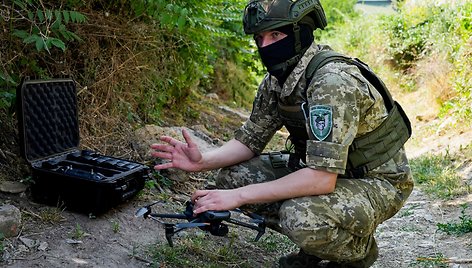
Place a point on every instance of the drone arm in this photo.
(244, 224)
(260, 228)
(170, 216)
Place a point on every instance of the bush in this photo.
(29, 25)
(338, 12)
(411, 40)
(194, 35)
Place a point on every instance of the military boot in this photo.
(369, 259)
(299, 260)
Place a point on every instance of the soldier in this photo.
(348, 171)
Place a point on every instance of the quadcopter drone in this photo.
(211, 221)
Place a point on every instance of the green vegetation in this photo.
(2, 245)
(136, 59)
(423, 45)
(438, 174)
(115, 226)
(462, 227)
(47, 27)
(162, 180)
(175, 48)
(338, 12)
(78, 232)
(52, 215)
(32, 27)
(407, 211)
(150, 184)
(275, 242)
(195, 250)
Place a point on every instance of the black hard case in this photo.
(64, 175)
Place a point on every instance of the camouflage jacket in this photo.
(355, 108)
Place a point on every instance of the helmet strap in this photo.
(298, 43)
(298, 52)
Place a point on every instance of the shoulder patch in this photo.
(321, 121)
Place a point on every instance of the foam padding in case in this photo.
(48, 117)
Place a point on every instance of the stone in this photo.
(30, 243)
(212, 96)
(14, 187)
(43, 246)
(73, 241)
(10, 220)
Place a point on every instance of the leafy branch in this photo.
(44, 27)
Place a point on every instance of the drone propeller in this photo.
(145, 211)
(141, 212)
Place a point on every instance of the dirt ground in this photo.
(119, 239)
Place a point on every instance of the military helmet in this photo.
(266, 15)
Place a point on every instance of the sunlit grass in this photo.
(275, 242)
(439, 175)
(202, 250)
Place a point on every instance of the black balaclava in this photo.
(284, 49)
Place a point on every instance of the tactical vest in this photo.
(366, 152)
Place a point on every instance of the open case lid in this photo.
(47, 118)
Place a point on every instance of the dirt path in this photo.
(413, 234)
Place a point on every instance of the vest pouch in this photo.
(377, 147)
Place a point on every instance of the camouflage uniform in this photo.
(337, 226)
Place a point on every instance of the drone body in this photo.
(210, 221)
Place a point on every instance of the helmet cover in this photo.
(266, 15)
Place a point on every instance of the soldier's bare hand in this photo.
(215, 200)
(181, 155)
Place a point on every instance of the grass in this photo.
(78, 232)
(407, 211)
(195, 248)
(51, 215)
(162, 180)
(463, 226)
(275, 242)
(438, 175)
(199, 250)
(2, 246)
(115, 226)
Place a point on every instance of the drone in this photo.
(211, 221)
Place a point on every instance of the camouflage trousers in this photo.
(337, 226)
